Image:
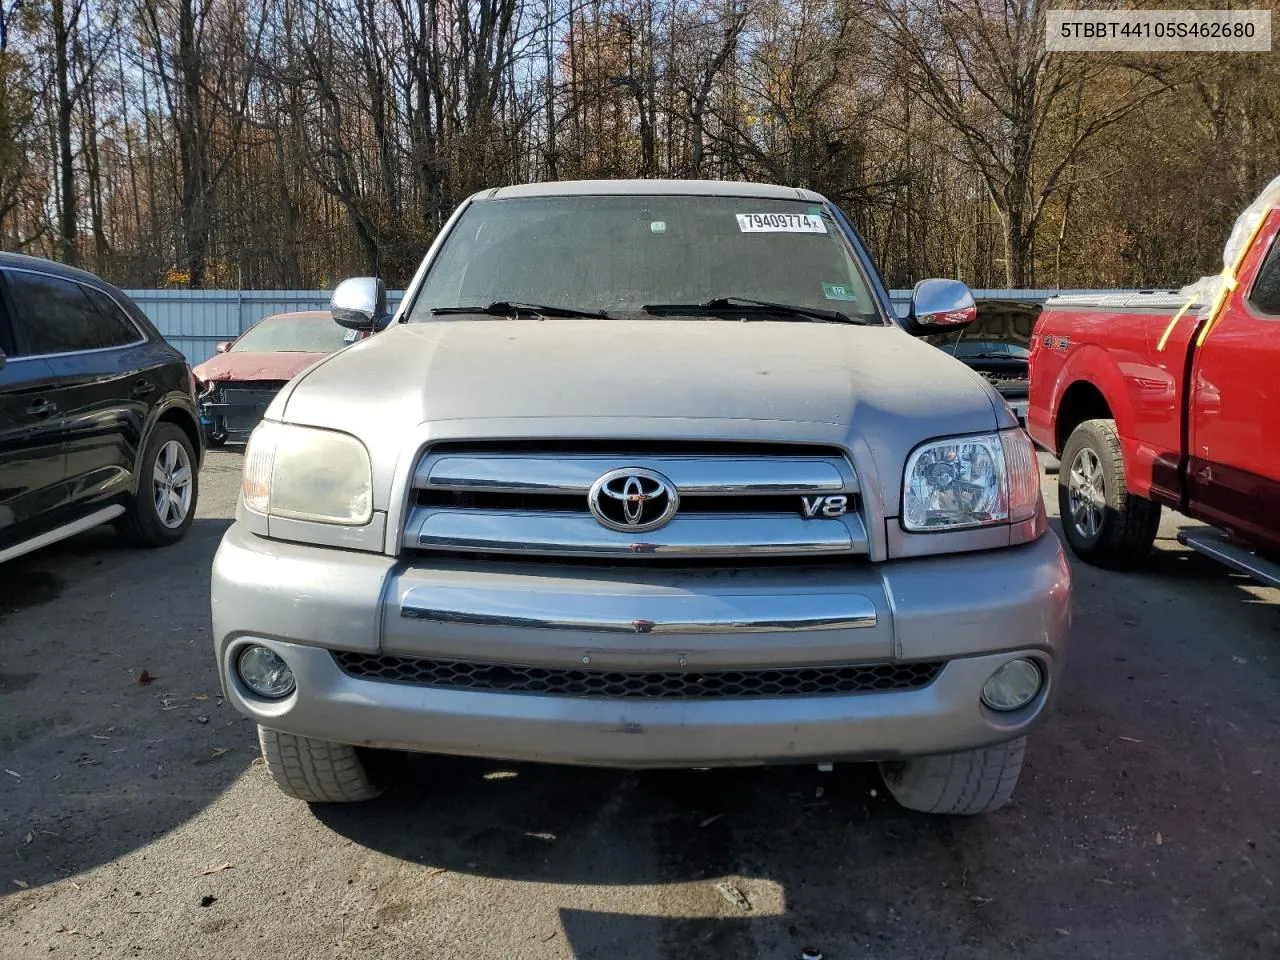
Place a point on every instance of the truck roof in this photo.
(689, 188)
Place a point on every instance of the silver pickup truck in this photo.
(644, 474)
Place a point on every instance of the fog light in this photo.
(263, 672)
(1012, 686)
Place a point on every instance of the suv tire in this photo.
(964, 783)
(168, 467)
(316, 771)
(1103, 522)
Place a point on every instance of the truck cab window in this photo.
(1265, 295)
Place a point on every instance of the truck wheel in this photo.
(1104, 523)
(316, 771)
(160, 513)
(965, 783)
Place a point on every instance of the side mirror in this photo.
(938, 306)
(359, 303)
(222, 346)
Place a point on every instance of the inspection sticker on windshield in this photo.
(780, 223)
(838, 291)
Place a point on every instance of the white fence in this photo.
(195, 320)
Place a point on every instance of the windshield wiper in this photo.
(507, 308)
(721, 304)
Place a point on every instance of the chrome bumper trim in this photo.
(659, 614)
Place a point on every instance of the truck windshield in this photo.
(620, 253)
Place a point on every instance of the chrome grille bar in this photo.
(733, 501)
(693, 476)
(557, 533)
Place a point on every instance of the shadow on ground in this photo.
(96, 762)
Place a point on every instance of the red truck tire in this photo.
(1104, 524)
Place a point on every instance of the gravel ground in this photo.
(135, 820)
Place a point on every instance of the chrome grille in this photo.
(734, 501)
(647, 685)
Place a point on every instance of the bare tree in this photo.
(984, 70)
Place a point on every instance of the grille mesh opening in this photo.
(646, 685)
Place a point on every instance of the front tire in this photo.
(1104, 523)
(961, 784)
(316, 771)
(160, 513)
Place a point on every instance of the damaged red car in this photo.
(237, 385)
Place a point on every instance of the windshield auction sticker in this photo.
(780, 223)
(1142, 31)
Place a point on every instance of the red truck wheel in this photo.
(1103, 523)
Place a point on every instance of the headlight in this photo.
(971, 482)
(307, 474)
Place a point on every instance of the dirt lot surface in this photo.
(135, 822)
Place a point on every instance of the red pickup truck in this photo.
(1170, 399)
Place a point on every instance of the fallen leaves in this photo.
(1129, 739)
(145, 678)
(436, 871)
(13, 773)
(21, 883)
(1159, 839)
(732, 895)
(219, 751)
(218, 869)
(710, 820)
(541, 836)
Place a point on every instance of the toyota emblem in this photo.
(633, 500)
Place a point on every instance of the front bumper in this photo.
(975, 611)
(231, 413)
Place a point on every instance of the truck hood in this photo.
(875, 390)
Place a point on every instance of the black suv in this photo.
(98, 418)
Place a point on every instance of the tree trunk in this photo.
(68, 248)
(1018, 245)
(291, 269)
(193, 149)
